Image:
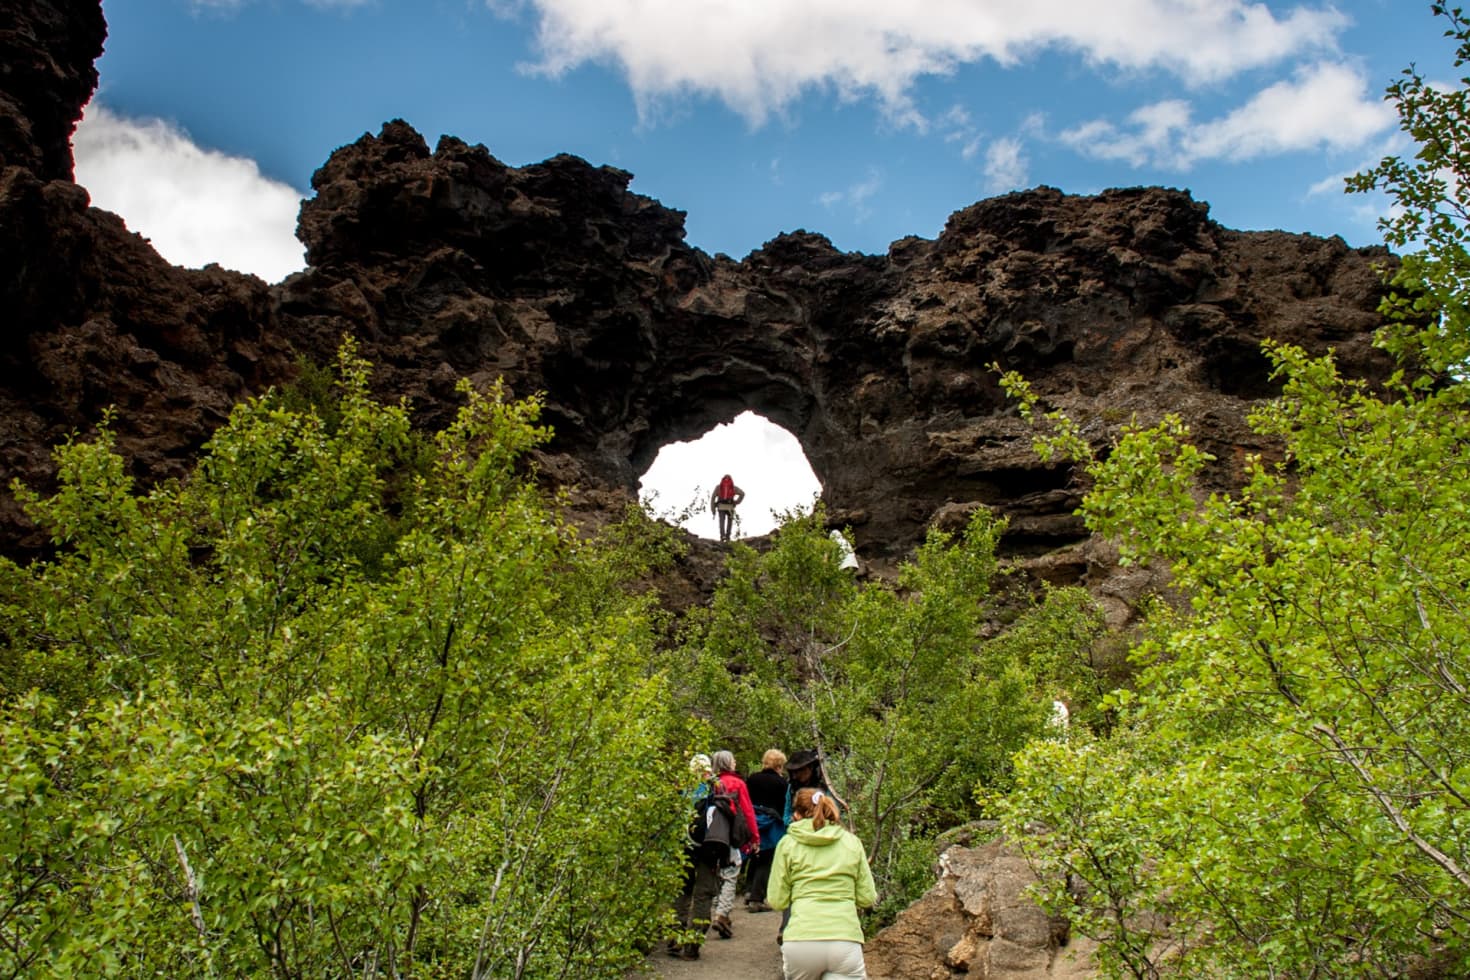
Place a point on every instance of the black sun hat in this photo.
(803, 758)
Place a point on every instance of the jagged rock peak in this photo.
(47, 73)
(388, 195)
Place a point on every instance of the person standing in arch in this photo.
(723, 501)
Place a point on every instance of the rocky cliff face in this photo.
(90, 315)
(46, 76)
(448, 263)
(979, 920)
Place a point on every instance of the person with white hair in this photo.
(732, 783)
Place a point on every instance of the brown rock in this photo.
(447, 263)
(978, 921)
(47, 51)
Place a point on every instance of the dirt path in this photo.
(750, 954)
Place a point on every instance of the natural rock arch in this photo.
(557, 279)
(1124, 304)
(703, 404)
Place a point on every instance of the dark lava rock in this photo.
(446, 263)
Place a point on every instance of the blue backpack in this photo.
(771, 826)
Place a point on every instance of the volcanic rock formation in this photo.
(979, 920)
(557, 279)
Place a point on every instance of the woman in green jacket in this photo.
(822, 873)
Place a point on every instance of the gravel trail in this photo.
(750, 954)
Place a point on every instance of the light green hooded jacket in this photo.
(823, 875)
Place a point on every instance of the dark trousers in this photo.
(701, 885)
(758, 874)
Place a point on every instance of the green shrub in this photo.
(337, 704)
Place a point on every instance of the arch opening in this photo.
(765, 460)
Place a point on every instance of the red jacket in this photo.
(733, 783)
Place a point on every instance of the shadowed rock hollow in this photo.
(553, 276)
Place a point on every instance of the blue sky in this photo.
(864, 120)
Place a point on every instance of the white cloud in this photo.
(760, 55)
(1396, 143)
(1322, 106)
(1329, 185)
(959, 128)
(856, 196)
(956, 117)
(1005, 165)
(1365, 209)
(1150, 135)
(196, 205)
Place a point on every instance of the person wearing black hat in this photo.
(803, 771)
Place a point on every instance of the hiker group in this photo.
(785, 833)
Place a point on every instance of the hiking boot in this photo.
(722, 926)
(689, 951)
